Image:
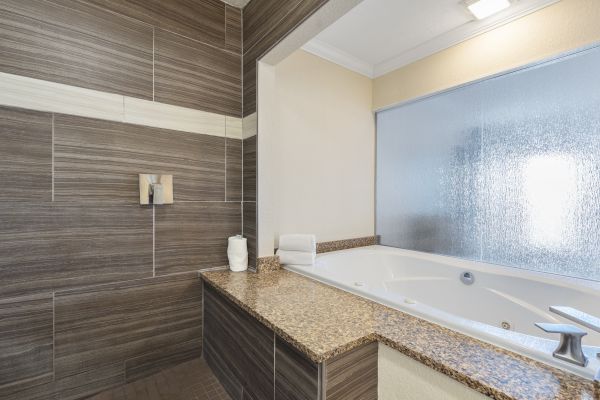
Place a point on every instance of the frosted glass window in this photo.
(505, 170)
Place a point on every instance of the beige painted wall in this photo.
(316, 142)
(317, 151)
(563, 26)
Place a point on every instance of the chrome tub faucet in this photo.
(569, 348)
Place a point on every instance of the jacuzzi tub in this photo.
(500, 306)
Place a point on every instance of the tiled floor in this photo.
(192, 380)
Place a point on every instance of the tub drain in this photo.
(467, 278)
(505, 325)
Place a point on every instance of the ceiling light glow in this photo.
(484, 8)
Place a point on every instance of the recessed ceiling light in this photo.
(484, 8)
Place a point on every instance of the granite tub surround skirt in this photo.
(299, 310)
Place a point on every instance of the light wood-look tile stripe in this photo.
(75, 43)
(35, 94)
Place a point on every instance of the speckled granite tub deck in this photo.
(325, 247)
(322, 321)
(268, 264)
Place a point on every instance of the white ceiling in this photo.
(378, 36)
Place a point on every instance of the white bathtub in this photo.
(429, 286)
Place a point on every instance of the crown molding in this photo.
(333, 54)
(451, 38)
(460, 34)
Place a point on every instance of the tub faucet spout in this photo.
(569, 348)
(579, 317)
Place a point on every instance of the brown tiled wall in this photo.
(181, 52)
(116, 278)
(259, 365)
(249, 222)
(265, 23)
(83, 267)
(96, 290)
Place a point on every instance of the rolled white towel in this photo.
(298, 242)
(296, 257)
(237, 253)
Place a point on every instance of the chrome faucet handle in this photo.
(583, 319)
(569, 348)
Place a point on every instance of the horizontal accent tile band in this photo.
(234, 127)
(40, 95)
(250, 125)
(160, 115)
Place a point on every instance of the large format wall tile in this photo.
(100, 161)
(201, 20)
(266, 22)
(92, 247)
(100, 330)
(249, 85)
(249, 222)
(162, 358)
(44, 247)
(249, 161)
(192, 236)
(219, 364)
(260, 16)
(77, 44)
(233, 29)
(296, 377)
(192, 74)
(243, 347)
(234, 169)
(25, 155)
(26, 343)
(352, 375)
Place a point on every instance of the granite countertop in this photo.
(323, 321)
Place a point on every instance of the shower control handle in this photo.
(569, 348)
